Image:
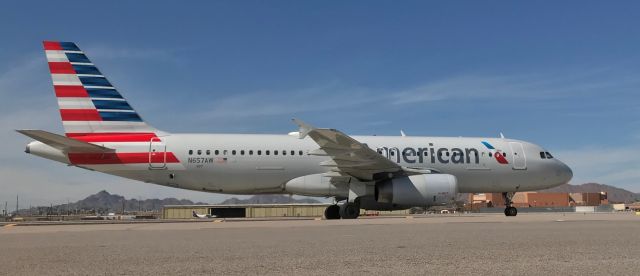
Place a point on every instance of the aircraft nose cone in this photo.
(566, 173)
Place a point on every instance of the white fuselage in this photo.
(248, 164)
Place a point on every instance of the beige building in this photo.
(245, 211)
(260, 211)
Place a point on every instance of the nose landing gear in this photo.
(509, 211)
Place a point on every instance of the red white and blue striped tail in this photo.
(91, 108)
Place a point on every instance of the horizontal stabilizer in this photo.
(63, 143)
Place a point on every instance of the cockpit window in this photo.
(549, 155)
(543, 155)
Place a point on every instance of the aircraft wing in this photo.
(63, 143)
(348, 156)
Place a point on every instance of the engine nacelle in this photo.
(418, 190)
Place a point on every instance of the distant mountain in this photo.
(104, 202)
(268, 199)
(614, 194)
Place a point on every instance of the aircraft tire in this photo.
(349, 211)
(332, 212)
(510, 211)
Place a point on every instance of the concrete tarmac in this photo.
(529, 244)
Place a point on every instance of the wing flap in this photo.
(348, 156)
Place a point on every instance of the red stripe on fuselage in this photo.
(114, 137)
(61, 68)
(52, 45)
(80, 115)
(121, 158)
(70, 91)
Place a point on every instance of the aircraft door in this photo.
(518, 156)
(157, 154)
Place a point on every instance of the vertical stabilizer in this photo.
(89, 104)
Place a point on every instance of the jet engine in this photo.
(418, 190)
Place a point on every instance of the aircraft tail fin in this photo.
(89, 104)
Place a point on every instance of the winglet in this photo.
(402, 133)
(304, 128)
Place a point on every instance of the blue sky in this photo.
(561, 74)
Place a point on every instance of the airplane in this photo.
(196, 215)
(104, 133)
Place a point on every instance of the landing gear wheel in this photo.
(349, 210)
(332, 212)
(510, 211)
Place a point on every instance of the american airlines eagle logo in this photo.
(496, 153)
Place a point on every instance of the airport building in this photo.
(245, 210)
(537, 199)
(260, 211)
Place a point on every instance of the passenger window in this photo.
(293, 152)
(266, 152)
(217, 152)
(250, 152)
(284, 152)
(208, 152)
(242, 152)
(259, 152)
(190, 152)
(275, 152)
(233, 152)
(199, 152)
(490, 154)
(300, 152)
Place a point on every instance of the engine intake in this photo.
(418, 190)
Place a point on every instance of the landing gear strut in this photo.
(509, 211)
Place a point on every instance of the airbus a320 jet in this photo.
(104, 133)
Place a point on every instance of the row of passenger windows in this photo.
(545, 155)
(243, 152)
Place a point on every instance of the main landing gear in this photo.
(509, 211)
(348, 210)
